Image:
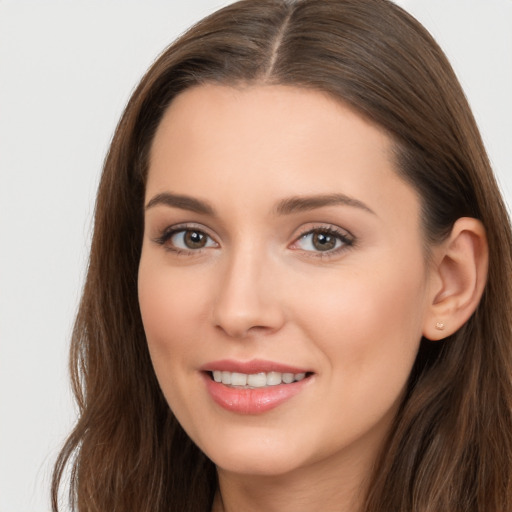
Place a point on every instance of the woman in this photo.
(299, 288)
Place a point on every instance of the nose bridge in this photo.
(245, 300)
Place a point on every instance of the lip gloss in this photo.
(244, 400)
(251, 401)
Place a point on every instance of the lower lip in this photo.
(252, 401)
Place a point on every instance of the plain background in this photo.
(66, 71)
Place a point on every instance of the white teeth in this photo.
(256, 380)
(274, 378)
(288, 378)
(238, 379)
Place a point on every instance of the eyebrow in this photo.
(182, 202)
(305, 203)
(284, 207)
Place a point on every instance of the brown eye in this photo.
(194, 239)
(186, 240)
(323, 241)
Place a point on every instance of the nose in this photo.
(246, 301)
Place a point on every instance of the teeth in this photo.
(274, 378)
(256, 380)
(238, 379)
(288, 378)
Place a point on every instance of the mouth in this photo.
(256, 380)
(253, 387)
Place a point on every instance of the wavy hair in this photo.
(450, 447)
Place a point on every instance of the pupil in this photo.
(324, 242)
(194, 239)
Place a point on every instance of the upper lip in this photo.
(251, 367)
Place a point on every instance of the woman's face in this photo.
(283, 256)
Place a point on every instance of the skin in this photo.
(353, 316)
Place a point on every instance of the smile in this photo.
(253, 387)
(255, 380)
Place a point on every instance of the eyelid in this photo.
(168, 232)
(348, 240)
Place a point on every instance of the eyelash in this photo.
(347, 240)
(168, 233)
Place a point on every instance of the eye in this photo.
(323, 240)
(185, 239)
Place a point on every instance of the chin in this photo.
(263, 467)
(266, 457)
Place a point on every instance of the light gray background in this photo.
(66, 70)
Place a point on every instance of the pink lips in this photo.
(251, 401)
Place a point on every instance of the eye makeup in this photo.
(323, 241)
(315, 241)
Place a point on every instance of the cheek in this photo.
(369, 323)
(368, 329)
(169, 305)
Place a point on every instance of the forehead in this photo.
(266, 142)
(256, 112)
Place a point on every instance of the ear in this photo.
(457, 279)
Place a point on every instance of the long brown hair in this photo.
(450, 448)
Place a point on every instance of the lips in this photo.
(253, 387)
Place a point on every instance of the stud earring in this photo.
(440, 326)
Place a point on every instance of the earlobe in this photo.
(459, 273)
